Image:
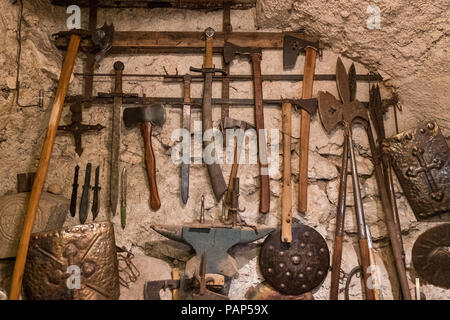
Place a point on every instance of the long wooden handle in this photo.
(41, 173)
(286, 198)
(175, 276)
(264, 204)
(150, 165)
(365, 263)
(305, 118)
(339, 232)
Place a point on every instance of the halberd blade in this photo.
(342, 82)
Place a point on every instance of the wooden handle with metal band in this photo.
(286, 198)
(305, 118)
(33, 202)
(208, 52)
(339, 232)
(365, 264)
(264, 204)
(150, 165)
(175, 276)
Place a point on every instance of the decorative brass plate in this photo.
(296, 268)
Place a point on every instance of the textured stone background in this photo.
(410, 51)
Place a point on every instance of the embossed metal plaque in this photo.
(421, 160)
(75, 263)
(431, 255)
(296, 268)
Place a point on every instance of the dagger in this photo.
(84, 204)
(187, 126)
(96, 188)
(123, 199)
(73, 199)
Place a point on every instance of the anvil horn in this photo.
(171, 232)
(247, 237)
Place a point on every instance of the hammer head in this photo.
(154, 113)
(230, 123)
(292, 47)
(230, 51)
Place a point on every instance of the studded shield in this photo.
(431, 255)
(298, 267)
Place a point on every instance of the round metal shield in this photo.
(431, 255)
(298, 267)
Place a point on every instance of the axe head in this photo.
(292, 47)
(154, 113)
(230, 123)
(153, 288)
(230, 51)
(330, 110)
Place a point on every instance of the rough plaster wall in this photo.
(22, 130)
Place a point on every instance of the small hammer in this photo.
(146, 117)
(230, 123)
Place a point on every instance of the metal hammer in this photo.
(146, 117)
(230, 51)
(230, 123)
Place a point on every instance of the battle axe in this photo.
(146, 117)
(292, 47)
(230, 51)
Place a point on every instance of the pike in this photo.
(215, 172)
(187, 126)
(115, 149)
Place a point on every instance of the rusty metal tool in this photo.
(95, 200)
(291, 49)
(215, 172)
(115, 145)
(77, 128)
(187, 126)
(230, 51)
(203, 292)
(84, 202)
(146, 117)
(41, 173)
(152, 288)
(230, 123)
(123, 199)
(73, 198)
(333, 113)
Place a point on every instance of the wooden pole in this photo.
(41, 173)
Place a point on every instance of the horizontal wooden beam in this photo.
(140, 42)
(182, 4)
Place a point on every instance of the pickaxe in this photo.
(292, 47)
(230, 123)
(229, 53)
(146, 117)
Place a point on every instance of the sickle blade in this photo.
(342, 82)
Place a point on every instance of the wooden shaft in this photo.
(339, 232)
(175, 276)
(187, 89)
(150, 165)
(264, 203)
(233, 174)
(373, 274)
(286, 198)
(305, 118)
(33, 203)
(208, 52)
(365, 263)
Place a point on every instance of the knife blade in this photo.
(73, 198)
(84, 203)
(96, 188)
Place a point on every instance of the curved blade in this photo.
(330, 110)
(342, 82)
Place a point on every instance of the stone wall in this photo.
(409, 53)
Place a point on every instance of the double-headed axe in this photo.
(332, 113)
(292, 47)
(230, 51)
(146, 117)
(230, 123)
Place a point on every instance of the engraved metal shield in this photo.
(421, 160)
(296, 268)
(431, 255)
(75, 263)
